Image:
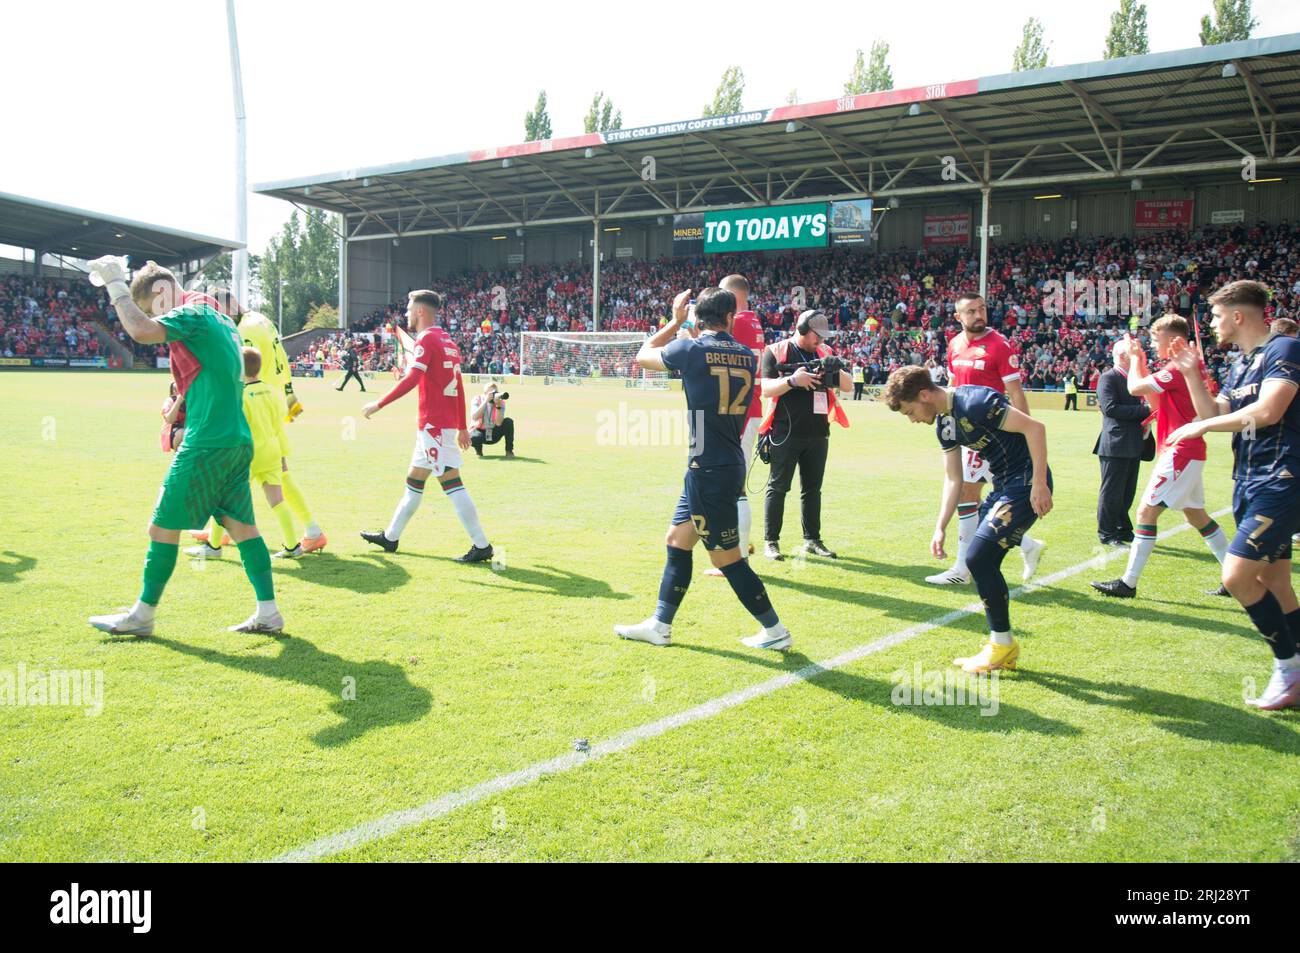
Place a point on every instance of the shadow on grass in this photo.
(540, 580)
(13, 565)
(1132, 610)
(879, 692)
(384, 693)
(1179, 714)
(364, 573)
(903, 609)
(515, 459)
(912, 573)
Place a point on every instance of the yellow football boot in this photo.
(990, 657)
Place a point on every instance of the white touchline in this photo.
(391, 823)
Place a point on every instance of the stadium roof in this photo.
(61, 230)
(1196, 114)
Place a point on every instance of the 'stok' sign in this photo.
(779, 226)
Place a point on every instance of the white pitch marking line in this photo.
(388, 824)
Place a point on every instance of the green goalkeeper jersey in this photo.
(214, 399)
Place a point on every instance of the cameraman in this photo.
(802, 376)
(488, 421)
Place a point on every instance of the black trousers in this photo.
(1071, 401)
(504, 429)
(348, 377)
(808, 455)
(857, 390)
(1119, 480)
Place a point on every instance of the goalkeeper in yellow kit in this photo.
(257, 331)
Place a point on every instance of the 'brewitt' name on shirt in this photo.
(743, 358)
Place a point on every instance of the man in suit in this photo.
(1120, 450)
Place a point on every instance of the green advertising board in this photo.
(777, 226)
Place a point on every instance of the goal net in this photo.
(586, 356)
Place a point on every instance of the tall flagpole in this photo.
(239, 272)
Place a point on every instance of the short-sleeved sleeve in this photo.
(767, 366)
(1008, 363)
(945, 428)
(674, 354)
(989, 409)
(428, 349)
(1282, 360)
(183, 323)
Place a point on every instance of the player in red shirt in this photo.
(442, 434)
(980, 355)
(1177, 478)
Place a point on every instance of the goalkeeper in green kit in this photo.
(209, 473)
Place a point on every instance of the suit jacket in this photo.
(1122, 415)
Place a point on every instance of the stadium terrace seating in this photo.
(896, 311)
(52, 317)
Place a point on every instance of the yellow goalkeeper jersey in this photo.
(258, 331)
(262, 410)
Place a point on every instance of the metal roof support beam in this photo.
(731, 165)
(1196, 78)
(741, 184)
(1073, 151)
(1158, 149)
(927, 190)
(1253, 84)
(1226, 141)
(1255, 93)
(477, 188)
(835, 152)
(1114, 163)
(949, 119)
(1019, 162)
(622, 195)
(964, 176)
(898, 175)
(1090, 104)
(707, 185)
(645, 183)
(1001, 148)
(831, 134)
(795, 184)
(556, 182)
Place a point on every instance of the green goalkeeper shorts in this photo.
(205, 482)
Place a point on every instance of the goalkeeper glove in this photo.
(295, 408)
(110, 272)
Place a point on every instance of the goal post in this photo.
(588, 355)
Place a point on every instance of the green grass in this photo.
(1122, 737)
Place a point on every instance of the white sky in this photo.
(332, 85)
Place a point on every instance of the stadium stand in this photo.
(892, 308)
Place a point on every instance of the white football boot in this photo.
(651, 630)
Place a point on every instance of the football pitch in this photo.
(418, 709)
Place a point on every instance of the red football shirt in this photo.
(987, 360)
(748, 330)
(435, 369)
(1175, 409)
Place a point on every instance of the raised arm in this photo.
(143, 329)
(651, 354)
(1188, 360)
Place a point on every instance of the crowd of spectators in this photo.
(1050, 298)
(374, 350)
(890, 307)
(48, 317)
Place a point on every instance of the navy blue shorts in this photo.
(1267, 513)
(708, 500)
(1006, 515)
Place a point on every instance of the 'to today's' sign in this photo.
(778, 226)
